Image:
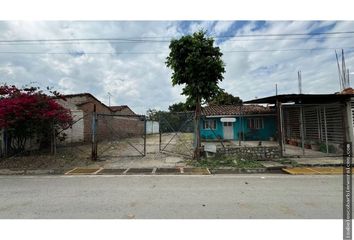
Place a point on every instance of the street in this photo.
(266, 196)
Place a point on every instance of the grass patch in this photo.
(226, 161)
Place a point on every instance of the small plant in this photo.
(226, 161)
(331, 148)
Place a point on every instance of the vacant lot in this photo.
(124, 153)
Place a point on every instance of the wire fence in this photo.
(118, 136)
(176, 133)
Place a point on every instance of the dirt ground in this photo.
(111, 154)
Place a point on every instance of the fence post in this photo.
(160, 133)
(144, 135)
(94, 134)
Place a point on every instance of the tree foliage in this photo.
(197, 64)
(172, 121)
(224, 98)
(28, 112)
(181, 107)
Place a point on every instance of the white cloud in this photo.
(143, 81)
(222, 26)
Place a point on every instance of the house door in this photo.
(228, 130)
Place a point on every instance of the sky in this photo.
(133, 69)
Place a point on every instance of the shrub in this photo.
(28, 112)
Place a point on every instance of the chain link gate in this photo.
(176, 133)
(116, 135)
(74, 139)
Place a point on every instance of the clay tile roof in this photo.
(217, 110)
(348, 91)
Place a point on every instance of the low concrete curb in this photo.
(32, 171)
(321, 165)
(238, 170)
(145, 171)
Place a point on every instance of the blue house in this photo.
(234, 122)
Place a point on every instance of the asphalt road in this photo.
(172, 197)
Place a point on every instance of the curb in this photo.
(154, 171)
(239, 170)
(32, 172)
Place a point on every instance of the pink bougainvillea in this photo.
(28, 111)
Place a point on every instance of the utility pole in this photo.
(276, 89)
(109, 99)
(299, 81)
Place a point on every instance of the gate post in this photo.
(94, 134)
(160, 133)
(144, 135)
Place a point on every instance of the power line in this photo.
(113, 42)
(145, 39)
(285, 50)
(138, 53)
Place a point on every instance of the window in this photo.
(255, 123)
(209, 124)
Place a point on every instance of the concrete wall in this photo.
(76, 132)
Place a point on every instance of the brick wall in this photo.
(109, 127)
(117, 128)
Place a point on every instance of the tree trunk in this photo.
(197, 145)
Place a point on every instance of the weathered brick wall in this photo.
(109, 127)
(126, 111)
(88, 109)
(117, 128)
(257, 153)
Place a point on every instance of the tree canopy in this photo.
(197, 64)
(224, 98)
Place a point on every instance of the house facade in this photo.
(238, 122)
(82, 107)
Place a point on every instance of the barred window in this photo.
(209, 124)
(255, 123)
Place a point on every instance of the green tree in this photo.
(196, 63)
(224, 98)
(181, 107)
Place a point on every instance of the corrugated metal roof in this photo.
(303, 98)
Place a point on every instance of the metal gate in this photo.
(176, 133)
(306, 126)
(118, 136)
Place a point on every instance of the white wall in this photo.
(76, 132)
(152, 127)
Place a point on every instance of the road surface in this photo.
(263, 196)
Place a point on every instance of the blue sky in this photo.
(135, 72)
